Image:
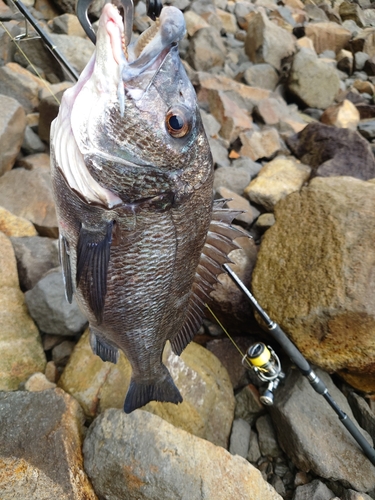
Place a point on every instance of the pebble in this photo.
(38, 382)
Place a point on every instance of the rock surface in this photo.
(330, 228)
(12, 129)
(119, 458)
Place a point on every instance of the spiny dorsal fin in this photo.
(219, 243)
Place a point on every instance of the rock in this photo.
(268, 444)
(40, 456)
(31, 143)
(363, 87)
(12, 129)
(266, 42)
(228, 21)
(206, 49)
(21, 352)
(118, 458)
(237, 202)
(77, 50)
(210, 124)
(329, 231)
(329, 451)
(18, 83)
(37, 160)
(219, 153)
(276, 180)
(208, 406)
(367, 128)
(353, 12)
(331, 151)
(354, 495)
(248, 405)
(342, 115)
(11, 225)
(48, 109)
(35, 256)
(362, 412)
(265, 221)
(263, 76)
(28, 194)
(38, 382)
(364, 42)
(49, 308)
(316, 490)
(312, 80)
(51, 372)
(62, 352)
(232, 118)
(240, 438)
(360, 59)
(254, 453)
(345, 61)
(327, 36)
(233, 178)
(260, 144)
(67, 24)
(194, 22)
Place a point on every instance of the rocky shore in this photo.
(286, 92)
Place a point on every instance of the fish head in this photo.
(136, 106)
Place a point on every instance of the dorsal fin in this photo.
(219, 243)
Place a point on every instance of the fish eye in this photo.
(178, 122)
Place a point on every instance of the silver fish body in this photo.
(132, 175)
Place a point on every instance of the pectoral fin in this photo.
(93, 252)
(219, 243)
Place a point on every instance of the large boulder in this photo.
(315, 275)
(142, 456)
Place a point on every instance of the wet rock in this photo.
(21, 351)
(316, 490)
(237, 202)
(329, 231)
(12, 129)
(233, 178)
(11, 225)
(206, 49)
(240, 438)
(18, 83)
(67, 24)
(312, 80)
(40, 456)
(331, 151)
(260, 144)
(342, 115)
(327, 36)
(208, 406)
(268, 444)
(266, 42)
(49, 308)
(38, 382)
(337, 457)
(28, 194)
(248, 405)
(118, 458)
(263, 76)
(276, 180)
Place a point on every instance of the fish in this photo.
(141, 240)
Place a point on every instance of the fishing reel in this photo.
(266, 365)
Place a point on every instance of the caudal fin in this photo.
(162, 389)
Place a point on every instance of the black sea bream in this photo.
(141, 241)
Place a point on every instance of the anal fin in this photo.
(103, 349)
(93, 253)
(66, 268)
(162, 389)
(219, 243)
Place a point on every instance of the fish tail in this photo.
(162, 389)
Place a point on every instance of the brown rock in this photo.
(327, 36)
(318, 283)
(364, 42)
(38, 382)
(232, 118)
(38, 160)
(331, 151)
(11, 225)
(353, 12)
(194, 22)
(342, 115)
(364, 87)
(45, 460)
(20, 84)
(228, 21)
(260, 144)
(48, 110)
(206, 49)
(345, 61)
(237, 202)
(28, 194)
(12, 129)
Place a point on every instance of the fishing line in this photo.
(244, 357)
(30, 63)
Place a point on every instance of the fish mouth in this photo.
(152, 45)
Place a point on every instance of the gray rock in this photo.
(254, 453)
(312, 80)
(210, 124)
(316, 490)
(20, 84)
(268, 444)
(219, 153)
(62, 352)
(12, 129)
(320, 442)
(77, 50)
(50, 310)
(35, 256)
(31, 143)
(355, 495)
(367, 129)
(233, 178)
(263, 76)
(67, 24)
(140, 456)
(363, 413)
(206, 50)
(248, 404)
(240, 438)
(277, 483)
(40, 453)
(251, 166)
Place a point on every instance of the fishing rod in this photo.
(266, 362)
